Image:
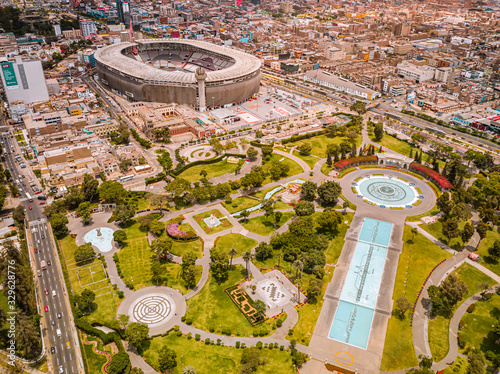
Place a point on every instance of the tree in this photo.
(123, 320)
(220, 264)
(216, 145)
(119, 362)
(403, 305)
(447, 295)
(136, 333)
(232, 252)
(160, 246)
(125, 164)
(146, 220)
(277, 218)
(137, 370)
(414, 232)
(188, 269)
(483, 287)
(304, 208)
(124, 213)
(112, 192)
(252, 179)
(476, 362)
(467, 232)
(90, 186)
(18, 214)
(329, 192)
(314, 288)
(120, 236)
(359, 107)
(444, 203)
(188, 370)
(84, 211)
(305, 148)
(482, 229)
(252, 153)
(462, 211)
(58, 223)
(156, 271)
(494, 251)
(84, 252)
(308, 192)
(157, 227)
(425, 365)
(263, 251)
(85, 300)
(245, 215)
(247, 257)
(345, 205)
(267, 150)
(250, 360)
(261, 308)
(378, 131)
(329, 221)
(157, 200)
(450, 228)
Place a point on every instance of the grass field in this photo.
(213, 170)
(436, 230)
(136, 259)
(240, 203)
(439, 325)
(294, 167)
(212, 309)
(91, 276)
(310, 160)
(319, 143)
(486, 243)
(478, 329)
(181, 247)
(459, 366)
(335, 247)
(213, 359)
(263, 225)
(417, 258)
(237, 241)
(309, 314)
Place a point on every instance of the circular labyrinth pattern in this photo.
(386, 191)
(152, 309)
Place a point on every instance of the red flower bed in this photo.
(432, 174)
(342, 164)
(225, 223)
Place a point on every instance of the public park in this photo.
(344, 250)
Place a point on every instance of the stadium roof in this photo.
(113, 57)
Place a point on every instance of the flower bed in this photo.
(438, 178)
(353, 161)
(174, 232)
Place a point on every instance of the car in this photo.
(59, 315)
(25, 209)
(39, 273)
(23, 176)
(38, 218)
(24, 184)
(52, 350)
(68, 345)
(43, 236)
(42, 203)
(31, 181)
(53, 323)
(30, 207)
(46, 291)
(38, 241)
(36, 192)
(35, 250)
(53, 293)
(48, 262)
(61, 369)
(46, 308)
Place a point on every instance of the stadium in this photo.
(191, 72)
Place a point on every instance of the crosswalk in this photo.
(36, 222)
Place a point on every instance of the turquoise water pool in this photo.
(387, 191)
(103, 242)
(354, 315)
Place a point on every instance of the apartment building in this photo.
(407, 70)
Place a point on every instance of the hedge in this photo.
(158, 177)
(258, 144)
(176, 173)
(105, 337)
(295, 138)
(145, 143)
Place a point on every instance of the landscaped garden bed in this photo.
(220, 222)
(245, 304)
(180, 231)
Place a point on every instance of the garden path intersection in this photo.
(357, 348)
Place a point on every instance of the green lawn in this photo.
(416, 218)
(237, 241)
(309, 314)
(436, 230)
(319, 143)
(485, 244)
(212, 309)
(325, 169)
(478, 329)
(294, 167)
(240, 203)
(213, 359)
(213, 170)
(181, 247)
(458, 367)
(263, 225)
(439, 325)
(94, 361)
(422, 255)
(90, 276)
(310, 160)
(224, 222)
(335, 247)
(136, 259)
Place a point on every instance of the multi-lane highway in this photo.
(63, 353)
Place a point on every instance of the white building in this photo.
(407, 70)
(327, 79)
(24, 80)
(88, 27)
(334, 53)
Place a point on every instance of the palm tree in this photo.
(247, 257)
(299, 265)
(279, 256)
(189, 370)
(232, 252)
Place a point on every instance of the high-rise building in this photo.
(402, 29)
(57, 29)
(286, 7)
(123, 10)
(24, 80)
(88, 27)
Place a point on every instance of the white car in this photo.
(61, 370)
(53, 293)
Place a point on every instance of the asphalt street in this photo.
(53, 302)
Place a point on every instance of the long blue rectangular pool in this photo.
(354, 315)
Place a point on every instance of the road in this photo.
(58, 315)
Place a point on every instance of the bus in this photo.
(28, 196)
(126, 178)
(43, 264)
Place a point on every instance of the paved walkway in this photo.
(298, 160)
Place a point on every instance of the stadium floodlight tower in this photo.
(201, 76)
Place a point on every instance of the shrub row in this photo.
(158, 177)
(177, 172)
(295, 138)
(145, 143)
